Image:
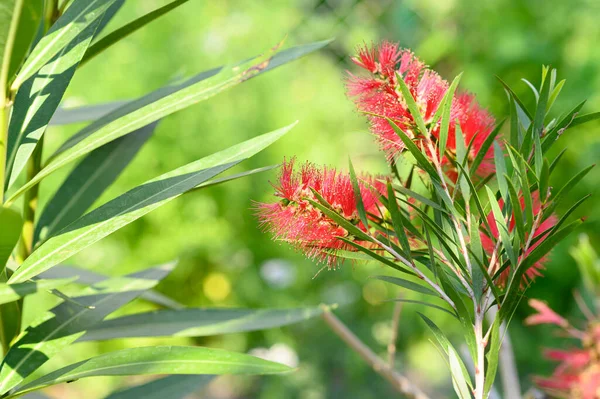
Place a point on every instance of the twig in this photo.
(394, 337)
(398, 381)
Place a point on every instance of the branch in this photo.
(398, 381)
(394, 337)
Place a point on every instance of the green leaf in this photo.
(445, 344)
(87, 277)
(161, 103)
(430, 305)
(377, 257)
(392, 207)
(28, 13)
(556, 131)
(422, 160)
(128, 29)
(358, 195)
(37, 99)
(409, 285)
(458, 379)
(412, 106)
(13, 292)
(517, 100)
(580, 120)
(517, 211)
(325, 207)
(59, 327)
(445, 122)
(172, 387)
(192, 322)
(544, 177)
(500, 170)
(137, 202)
(86, 113)
(502, 227)
(11, 223)
(489, 140)
(90, 178)
(495, 343)
(557, 195)
(540, 110)
(159, 360)
(516, 135)
(79, 16)
(418, 197)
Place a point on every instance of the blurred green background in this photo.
(226, 261)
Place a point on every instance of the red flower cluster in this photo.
(378, 95)
(488, 243)
(296, 221)
(578, 374)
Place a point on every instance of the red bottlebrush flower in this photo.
(545, 315)
(378, 95)
(296, 221)
(489, 244)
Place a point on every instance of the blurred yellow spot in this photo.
(375, 292)
(216, 287)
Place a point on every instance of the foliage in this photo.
(34, 76)
(486, 202)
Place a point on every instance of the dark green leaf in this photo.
(483, 150)
(192, 322)
(409, 285)
(412, 106)
(13, 292)
(59, 327)
(137, 202)
(158, 360)
(358, 195)
(90, 178)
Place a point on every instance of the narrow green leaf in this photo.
(446, 107)
(517, 211)
(62, 325)
(580, 120)
(516, 136)
(135, 203)
(544, 177)
(90, 178)
(429, 305)
(26, 17)
(500, 170)
(409, 285)
(86, 113)
(358, 195)
(489, 140)
(495, 343)
(502, 227)
(77, 18)
(11, 223)
(128, 29)
(377, 257)
(87, 277)
(517, 100)
(172, 387)
(13, 292)
(396, 216)
(422, 160)
(554, 95)
(159, 360)
(412, 106)
(37, 99)
(161, 103)
(557, 195)
(458, 379)
(556, 131)
(556, 161)
(424, 200)
(192, 322)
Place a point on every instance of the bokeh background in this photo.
(224, 260)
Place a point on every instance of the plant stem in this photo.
(398, 381)
(480, 363)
